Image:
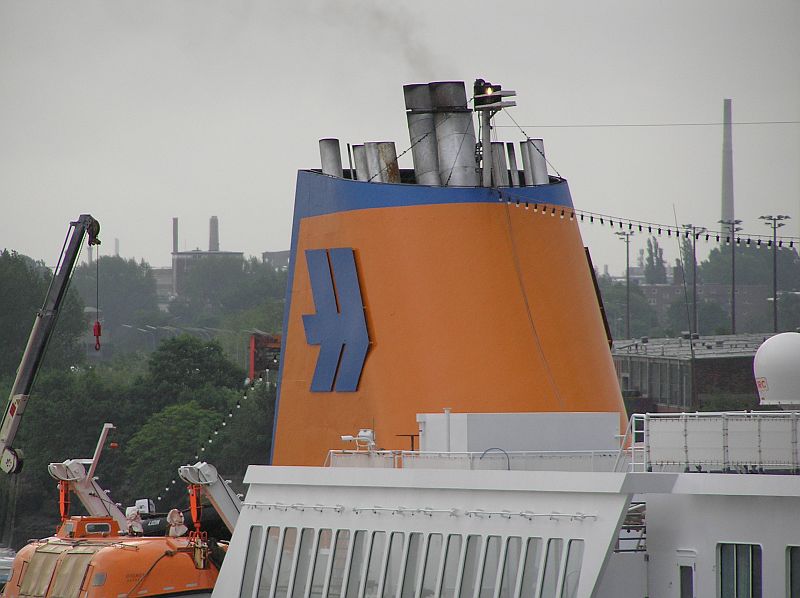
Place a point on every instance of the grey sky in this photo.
(138, 111)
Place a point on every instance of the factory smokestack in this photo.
(174, 235)
(727, 162)
(213, 234)
(116, 247)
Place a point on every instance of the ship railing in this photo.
(584, 460)
(740, 441)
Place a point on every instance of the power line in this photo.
(632, 125)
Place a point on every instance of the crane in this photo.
(44, 324)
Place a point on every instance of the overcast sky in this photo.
(139, 111)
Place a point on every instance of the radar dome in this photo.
(777, 370)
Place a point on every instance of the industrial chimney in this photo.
(213, 234)
(174, 235)
(727, 162)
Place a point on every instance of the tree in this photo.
(127, 290)
(185, 368)
(655, 269)
(218, 286)
(711, 317)
(644, 320)
(168, 439)
(23, 287)
(753, 266)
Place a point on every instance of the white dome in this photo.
(777, 370)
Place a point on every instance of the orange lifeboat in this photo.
(89, 558)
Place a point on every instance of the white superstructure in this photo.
(693, 505)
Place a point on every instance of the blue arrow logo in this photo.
(338, 326)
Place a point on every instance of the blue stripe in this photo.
(319, 194)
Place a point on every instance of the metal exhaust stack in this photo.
(499, 166)
(387, 160)
(422, 133)
(331, 157)
(527, 169)
(455, 134)
(360, 158)
(373, 162)
(538, 163)
(512, 164)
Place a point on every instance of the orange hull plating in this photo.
(480, 307)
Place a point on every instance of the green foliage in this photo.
(168, 439)
(644, 320)
(127, 289)
(23, 287)
(753, 266)
(711, 318)
(217, 286)
(655, 268)
(184, 367)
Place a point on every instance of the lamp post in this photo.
(775, 222)
(695, 231)
(734, 227)
(626, 236)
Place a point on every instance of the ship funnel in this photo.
(331, 157)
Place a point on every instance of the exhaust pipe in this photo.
(422, 133)
(499, 166)
(512, 164)
(331, 157)
(455, 134)
(360, 158)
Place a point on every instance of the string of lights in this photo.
(206, 445)
(652, 228)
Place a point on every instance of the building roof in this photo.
(705, 347)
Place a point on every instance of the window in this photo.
(793, 569)
(740, 570)
(98, 528)
(324, 544)
(510, 567)
(530, 571)
(371, 589)
(303, 563)
(552, 566)
(339, 563)
(573, 569)
(491, 563)
(433, 561)
(413, 565)
(451, 563)
(251, 561)
(270, 558)
(356, 563)
(393, 564)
